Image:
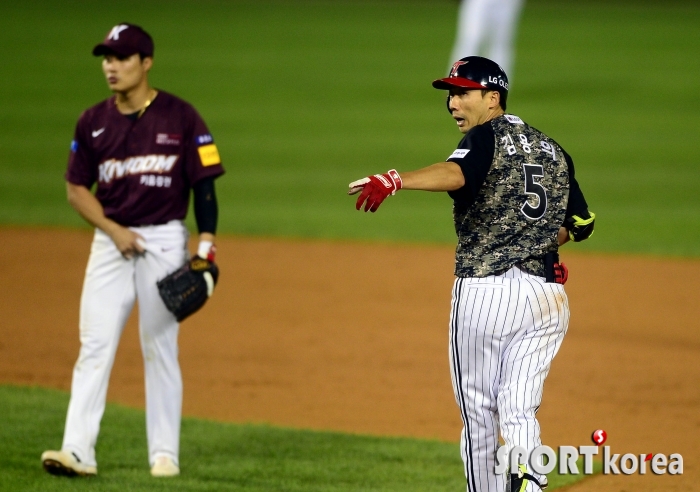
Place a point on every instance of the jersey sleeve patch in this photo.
(458, 154)
(209, 155)
(514, 119)
(204, 139)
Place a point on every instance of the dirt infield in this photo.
(353, 337)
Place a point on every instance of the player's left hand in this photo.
(561, 273)
(205, 266)
(189, 287)
(375, 189)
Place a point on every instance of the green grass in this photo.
(304, 97)
(216, 456)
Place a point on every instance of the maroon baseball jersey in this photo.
(144, 168)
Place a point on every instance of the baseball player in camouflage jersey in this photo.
(145, 150)
(516, 201)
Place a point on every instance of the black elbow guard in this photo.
(580, 228)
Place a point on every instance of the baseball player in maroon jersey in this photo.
(516, 201)
(144, 151)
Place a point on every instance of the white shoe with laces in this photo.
(165, 466)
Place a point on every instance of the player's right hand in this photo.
(375, 189)
(128, 242)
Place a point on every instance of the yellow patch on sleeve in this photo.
(209, 155)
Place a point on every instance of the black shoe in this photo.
(518, 481)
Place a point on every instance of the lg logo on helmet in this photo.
(498, 81)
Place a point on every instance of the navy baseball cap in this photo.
(474, 72)
(124, 40)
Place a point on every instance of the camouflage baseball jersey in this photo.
(515, 198)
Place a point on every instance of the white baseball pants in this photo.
(504, 332)
(487, 28)
(112, 284)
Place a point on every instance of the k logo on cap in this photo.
(125, 40)
(114, 33)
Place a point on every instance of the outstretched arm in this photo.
(443, 176)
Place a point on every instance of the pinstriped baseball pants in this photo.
(504, 332)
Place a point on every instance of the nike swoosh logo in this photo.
(97, 133)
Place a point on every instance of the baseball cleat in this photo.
(519, 481)
(165, 466)
(66, 464)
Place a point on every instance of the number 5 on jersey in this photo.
(532, 187)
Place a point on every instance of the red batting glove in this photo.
(561, 273)
(375, 189)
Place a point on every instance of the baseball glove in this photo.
(186, 290)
